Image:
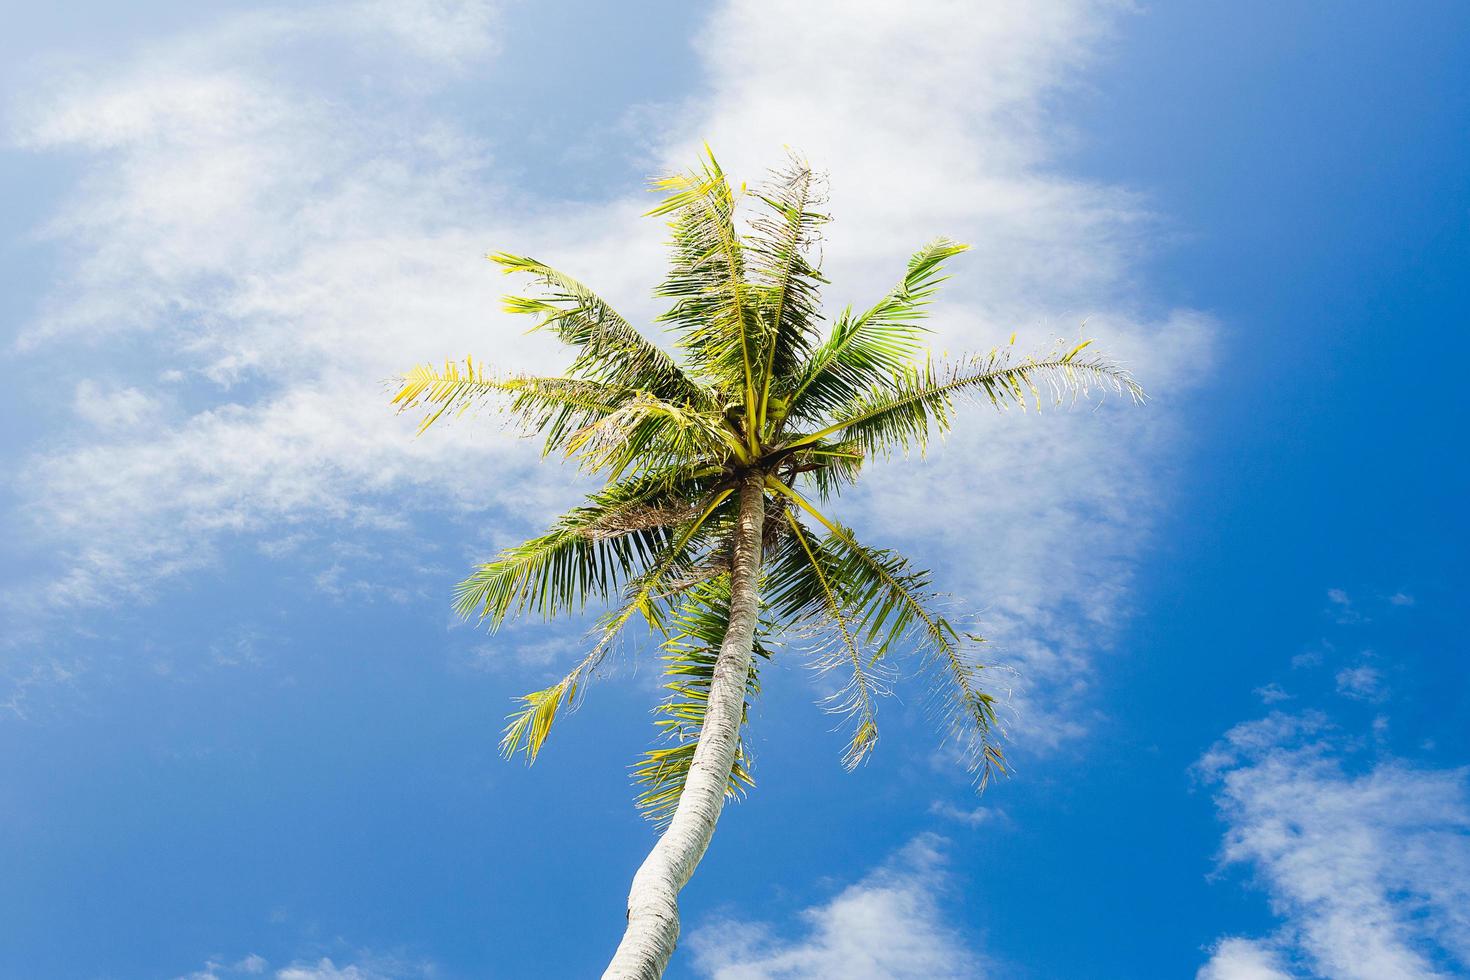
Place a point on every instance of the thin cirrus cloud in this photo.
(324, 968)
(279, 241)
(1367, 864)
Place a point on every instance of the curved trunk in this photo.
(653, 907)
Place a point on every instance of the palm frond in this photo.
(866, 351)
(713, 307)
(806, 589)
(645, 432)
(647, 593)
(588, 552)
(894, 609)
(554, 406)
(689, 667)
(609, 348)
(829, 466)
(528, 727)
(902, 414)
(786, 282)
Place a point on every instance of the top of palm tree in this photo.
(759, 391)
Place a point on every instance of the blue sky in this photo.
(241, 734)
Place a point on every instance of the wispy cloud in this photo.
(325, 969)
(281, 257)
(1363, 682)
(1366, 861)
(971, 816)
(888, 926)
(365, 966)
(1343, 608)
(1272, 693)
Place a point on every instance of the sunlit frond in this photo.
(713, 305)
(829, 466)
(895, 609)
(647, 433)
(807, 587)
(590, 551)
(555, 407)
(528, 727)
(901, 415)
(870, 350)
(609, 348)
(648, 594)
(689, 664)
(608, 426)
(786, 282)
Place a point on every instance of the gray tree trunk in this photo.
(653, 906)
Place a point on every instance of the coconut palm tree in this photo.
(718, 464)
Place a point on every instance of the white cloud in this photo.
(113, 409)
(1272, 693)
(1313, 656)
(282, 246)
(524, 651)
(1361, 683)
(1243, 959)
(369, 966)
(1343, 608)
(888, 926)
(1367, 863)
(323, 969)
(259, 237)
(971, 816)
(251, 965)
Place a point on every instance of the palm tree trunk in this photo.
(653, 906)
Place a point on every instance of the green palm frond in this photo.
(647, 594)
(894, 605)
(868, 351)
(689, 667)
(645, 432)
(787, 283)
(901, 414)
(528, 727)
(556, 407)
(609, 348)
(713, 307)
(590, 551)
(809, 588)
(830, 466)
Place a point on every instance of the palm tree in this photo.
(717, 465)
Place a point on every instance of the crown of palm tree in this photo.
(759, 391)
